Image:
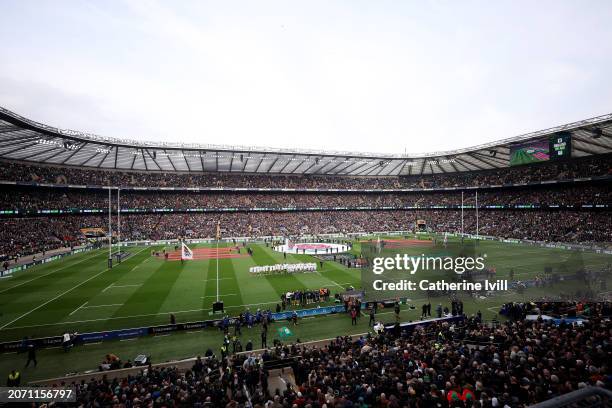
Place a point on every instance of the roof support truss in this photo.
(152, 158)
(272, 165)
(286, 164)
(170, 160)
(73, 153)
(260, 161)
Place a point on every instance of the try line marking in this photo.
(61, 294)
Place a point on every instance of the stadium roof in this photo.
(26, 140)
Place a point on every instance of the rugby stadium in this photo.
(210, 275)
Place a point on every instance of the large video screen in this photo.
(555, 147)
(560, 146)
(530, 152)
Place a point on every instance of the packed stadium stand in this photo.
(55, 186)
(471, 364)
(580, 208)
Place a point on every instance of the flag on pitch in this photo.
(284, 332)
(186, 252)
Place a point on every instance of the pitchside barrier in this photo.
(409, 327)
(23, 267)
(186, 364)
(97, 337)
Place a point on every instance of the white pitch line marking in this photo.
(127, 286)
(49, 273)
(109, 286)
(131, 339)
(214, 296)
(75, 310)
(329, 279)
(141, 315)
(60, 295)
(116, 304)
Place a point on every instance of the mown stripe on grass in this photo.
(149, 297)
(40, 271)
(228, 285)
(61, 305)
(61, 308)
(21, 301)
(282, 283)
(338, 273)
(254, 289)
(119, 290)
(187, 291)
(332, 273)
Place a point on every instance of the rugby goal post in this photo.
(186, 252)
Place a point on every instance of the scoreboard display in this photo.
(560, 146)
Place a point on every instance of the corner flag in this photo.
(186, 253)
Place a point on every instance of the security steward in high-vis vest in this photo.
(14, 379)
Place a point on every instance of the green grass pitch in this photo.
(79, 293)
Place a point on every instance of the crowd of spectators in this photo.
(210, 383)
(556, 308)
(517, 363)
(467, 365)
(35, 235)
(23, 236)
(589, 167)
(40, 199)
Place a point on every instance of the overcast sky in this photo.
(381, 76)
